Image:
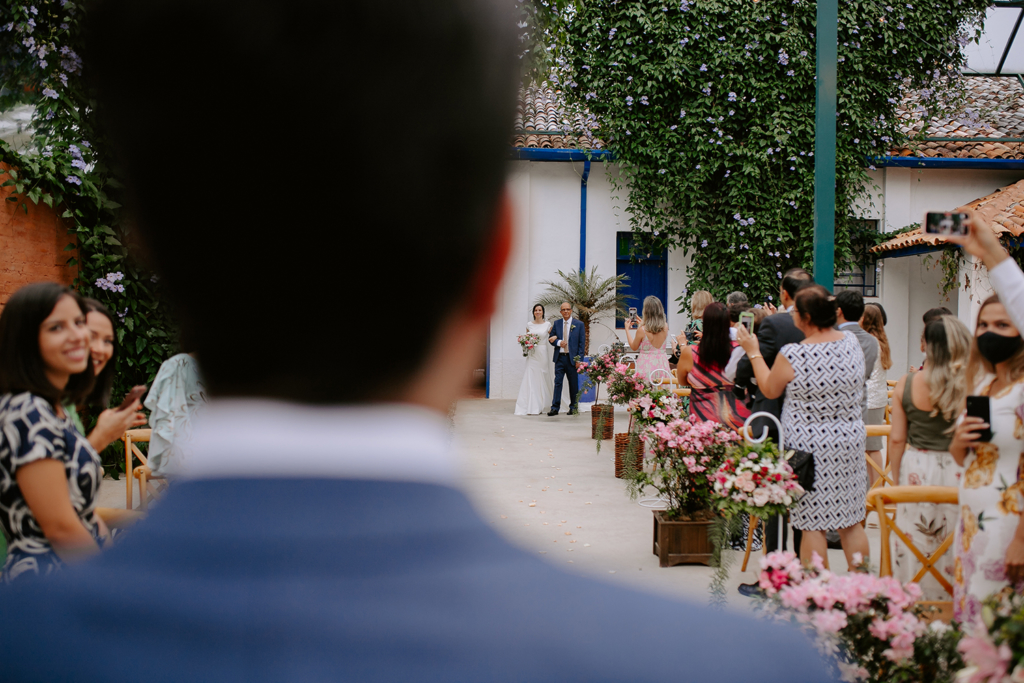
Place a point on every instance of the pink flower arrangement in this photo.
(686, 452)
(866, 622)
(993, 650)
(528, 342)
(756, 480)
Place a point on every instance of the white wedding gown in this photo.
(539, 379)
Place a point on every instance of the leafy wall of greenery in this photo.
(64, 167)
(709, 107)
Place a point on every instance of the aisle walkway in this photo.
(583, 521)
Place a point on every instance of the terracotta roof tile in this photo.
(540, 109)
(1007, 202)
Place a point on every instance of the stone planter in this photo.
(621, 447)
(681, 542)
(598, 413)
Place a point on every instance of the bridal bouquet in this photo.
(755, 479)
(528, 342)
(866, 625)
(994, 650)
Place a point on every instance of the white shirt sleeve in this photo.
(734, 359)
(1008, 282)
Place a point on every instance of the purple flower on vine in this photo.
(51, 93)
(73, 179)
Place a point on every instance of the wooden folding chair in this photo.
(148, 484)
(882, 499)
(884, 474)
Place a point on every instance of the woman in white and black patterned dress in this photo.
(49, 473)
(823, 415)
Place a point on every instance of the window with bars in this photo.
(860, 273)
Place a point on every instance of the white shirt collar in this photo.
(277, 439)
(848, 322)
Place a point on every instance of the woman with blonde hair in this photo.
(700, 300)
(651, 332)
(923, 415)
(878, 389)
(989, 541)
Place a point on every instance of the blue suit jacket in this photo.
(341, 580)
(577, 338)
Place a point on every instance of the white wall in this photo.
(910, 285)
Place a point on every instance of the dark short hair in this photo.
(816, 305)
(715, 347)
(542, 312)
(736, 309)
(935, 313)
(319, 238)
(100, 394)
(885, 318)
(793, 279)
(21, 363)
(851, 303)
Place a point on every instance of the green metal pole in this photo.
(826, 43)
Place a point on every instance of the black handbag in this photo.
(802, 463)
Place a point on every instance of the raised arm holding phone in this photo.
(986, 440)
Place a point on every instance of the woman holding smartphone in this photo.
(111, 423)
(51, 473)
(989, 537)
(989, 543)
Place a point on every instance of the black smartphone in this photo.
(978, 406)
(939, 223)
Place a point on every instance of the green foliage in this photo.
(591, 295)
(709, 107)
(65, 166)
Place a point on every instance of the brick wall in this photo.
(31, 245)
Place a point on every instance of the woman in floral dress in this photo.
(651, 332)
(990, 490)
(924, 410)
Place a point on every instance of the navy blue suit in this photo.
(342, 580)
(565, 366)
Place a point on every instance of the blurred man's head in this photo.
(792, 280)
(737, 299)
(565, 310)
(309, 229)
(935, 313)
(850, 305)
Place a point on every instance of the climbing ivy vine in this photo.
(709, 108)
(64, 166)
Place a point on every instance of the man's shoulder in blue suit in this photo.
(312, 579)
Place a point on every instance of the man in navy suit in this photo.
(318, 534)
(569, 339)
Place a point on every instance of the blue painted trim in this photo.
(939, 162)
(536, 154)
(915, 250)
(583, 215)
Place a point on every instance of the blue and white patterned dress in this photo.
(823, 415)
(31, 431)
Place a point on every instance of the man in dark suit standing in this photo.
(774, 332)
(569, 339)
(317, 534)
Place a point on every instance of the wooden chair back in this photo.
(884, 474)
(882, 499)
(142, 472)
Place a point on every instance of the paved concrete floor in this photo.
(583, 521)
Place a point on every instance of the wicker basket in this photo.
(607, 430)
(621, 446)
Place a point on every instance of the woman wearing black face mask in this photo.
(989, 543)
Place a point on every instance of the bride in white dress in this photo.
(539, 379)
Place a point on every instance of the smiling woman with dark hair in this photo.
(703, 368)
(51, 473)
